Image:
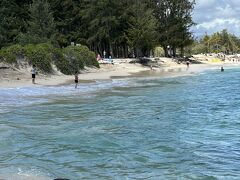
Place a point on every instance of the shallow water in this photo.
(133, 128)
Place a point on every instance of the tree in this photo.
(221, 41)
(68, 21)
(174, 22)
(142, 34)
(206, 42)
(215, 41)
(41, 26)
(229, 41)
(102, 20)
(12, 17)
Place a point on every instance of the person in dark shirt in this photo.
(76, 79)
(33, 71)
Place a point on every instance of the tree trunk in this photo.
(182, 51)
(111, 50)
(174, 52)
(166, 51)
(125, 51)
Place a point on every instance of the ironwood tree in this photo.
(174, 22)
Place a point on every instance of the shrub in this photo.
(74, 59)
(67, 60)
(88, 57)
(40, 55)
(159, 52)
(11, 53)
(77, 57)
(61, 62)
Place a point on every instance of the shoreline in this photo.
(109, 71)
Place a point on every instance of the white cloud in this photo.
(201, 4)
(219, 23)
(214, 15)
(227, 12)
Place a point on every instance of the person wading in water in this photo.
(76, 79)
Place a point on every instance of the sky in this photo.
(215, 15)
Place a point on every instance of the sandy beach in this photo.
(12, 77)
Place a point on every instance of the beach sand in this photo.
(12, 77)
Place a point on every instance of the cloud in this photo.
(215, 15)
(203, 4)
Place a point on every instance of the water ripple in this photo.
(139, 128)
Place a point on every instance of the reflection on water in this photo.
(148, 128)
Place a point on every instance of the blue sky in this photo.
(214, 15)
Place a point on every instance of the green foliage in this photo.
(159, 51)
(142, 29)
(40, 56)
(73, 58)
(198, 48)
(174, 22)
(68, 21)
(12, 17)
(67, 60)
(41, 26)
(204, 44)
(62, 63)
(88, 57)
(103, 25)
(102, 19)
(217, 42)
(76, 58)
(75, 62)
(11, 53)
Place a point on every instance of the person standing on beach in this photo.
(76, 79)
(99, 57)
(188, 64)
(151, 67)
(33, 71)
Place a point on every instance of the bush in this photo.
(67, 60)
(159, 52)
(73, 58)
(88, 57)
(76, 58)
(40, 55)
(61, 62)
(11, 53)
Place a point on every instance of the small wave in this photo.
(21, 174)
(11, 97)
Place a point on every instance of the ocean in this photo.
(131, 128)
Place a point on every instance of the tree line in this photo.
(118, 28)
(218, 42)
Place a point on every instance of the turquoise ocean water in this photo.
(132, 128)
